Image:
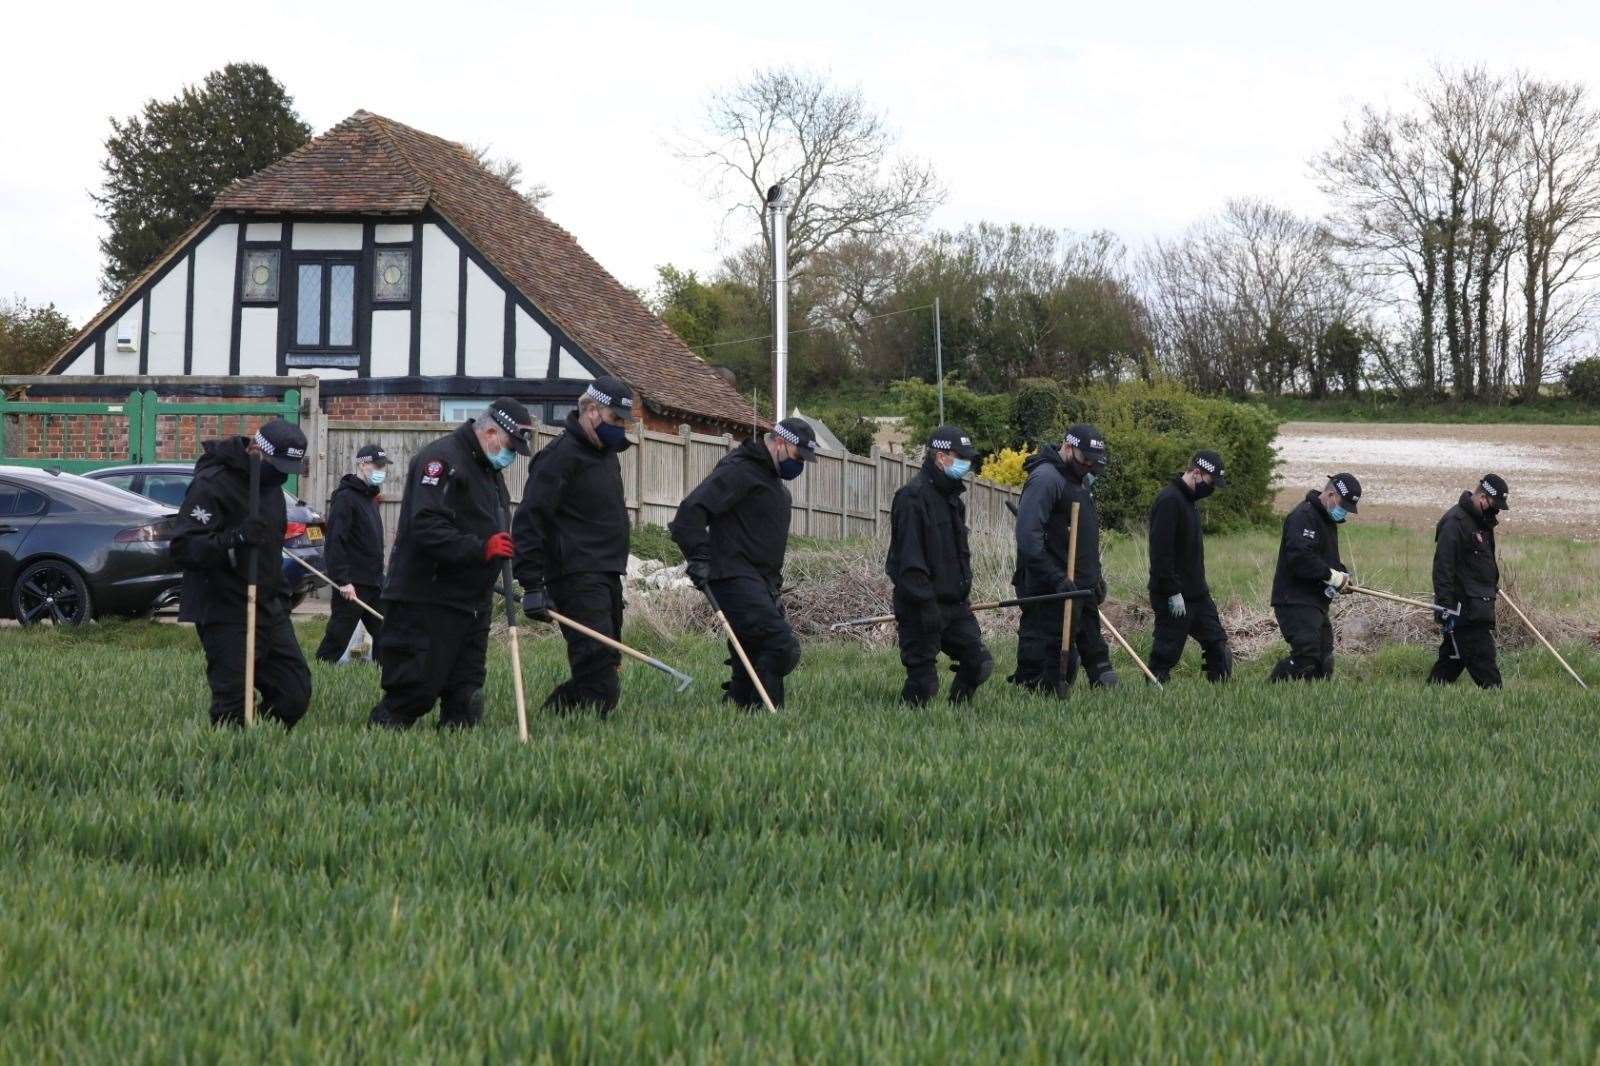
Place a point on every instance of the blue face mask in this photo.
(610, 436)
(502, 458)
(958, 468)
(789, 469)
(1337, 513)
(376, 477)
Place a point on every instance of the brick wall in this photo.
(382, 408)
(105, 437)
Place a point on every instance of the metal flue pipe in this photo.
(778, 209)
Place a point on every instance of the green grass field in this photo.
(1366, 870)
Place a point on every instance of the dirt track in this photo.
(1411, 472)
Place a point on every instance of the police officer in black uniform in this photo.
(571, 535)
(1309, 575)
(1179, 594)
(1057, 478)
(734, 529)
(438, 600)
(213, 541)
(931, 568)
(355, 551)
(1466, 583)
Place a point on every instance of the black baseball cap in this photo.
(1211, 463)
(1349, 490)
(1494, 486)
(1088, 440)
(798, 431)
(512, 417)
(374, 454)
(283, 445)
(952, 439)
(614, 393)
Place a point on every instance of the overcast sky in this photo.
(1137, 118)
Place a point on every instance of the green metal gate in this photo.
(22, 441)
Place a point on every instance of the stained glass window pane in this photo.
(342, 305)
(308, 325)
(391, 275)
(260, 281)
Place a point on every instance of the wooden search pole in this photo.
(250, 601)
(682, 678)
(511, 633)
(1391, 597)
(738, 649)
(1066, 609)
(357, 600)
(1128, 648)
(1551, 648)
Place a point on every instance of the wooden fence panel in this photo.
(837, 497)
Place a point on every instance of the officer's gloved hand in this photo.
(1100, 591)
(1445, 619)
(1338, 581)
(498, 546)
(536, 603)
(1066, 584)
(699, 571)
(252, 533)
(1175, 605)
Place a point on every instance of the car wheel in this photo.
(51, 591)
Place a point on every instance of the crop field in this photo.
(1359, 870)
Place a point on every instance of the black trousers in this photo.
(432, 654)
(752, 609)
(1310, 637)
(1200, 621)
(594, 600)
(342, 622)
(282, 677)
(925, 631)
(1039, 645)
(1475, 641)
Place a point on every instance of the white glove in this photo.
(1337, 579)
(1175, 605)
(348, 591)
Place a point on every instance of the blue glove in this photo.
(1175, 605)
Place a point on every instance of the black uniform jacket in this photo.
(355, 533)
(1464, 568)
(573, 518)
(1177, 545)
(1043, 515)
(453, 503)
(928, 555)
(217, 503)
(1308, 550)
(737, 519)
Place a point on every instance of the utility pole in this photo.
(777, 205)
(938, 357)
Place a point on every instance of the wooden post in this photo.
(1066, 610)
(686, 442)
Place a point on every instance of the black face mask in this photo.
(271, 476)
(1204, 489)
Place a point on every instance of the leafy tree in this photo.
(510, 171)
(29, 335)
(164, 166)
(1036, 408)
(1583, 380)
(986, 418)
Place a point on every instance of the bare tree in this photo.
(1559, 209)
(834, 156)
(510, 171)
(1389, 195)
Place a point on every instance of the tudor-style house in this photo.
(411, 281)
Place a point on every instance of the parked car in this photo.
(306, 534)
(72, 549)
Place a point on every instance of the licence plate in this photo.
(313, 533)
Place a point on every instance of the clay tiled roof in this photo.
(370, 164)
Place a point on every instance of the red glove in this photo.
(498, 546)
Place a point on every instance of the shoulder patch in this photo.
(432, 472)
(200, 514)
(1309, 534)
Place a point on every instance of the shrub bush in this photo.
(1153, 430)
(1583, 380)
(1004, 467)
(986, 418)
